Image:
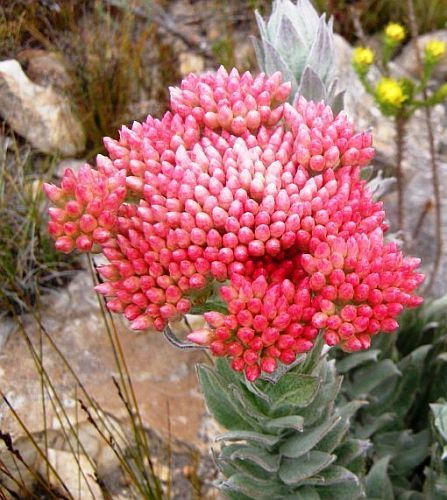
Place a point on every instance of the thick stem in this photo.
(433, 162)
(400, 123)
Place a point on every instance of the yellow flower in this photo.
(390, 93)
(434, 50)
(363, 56)
(394, 33)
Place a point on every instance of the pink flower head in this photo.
(235, 185)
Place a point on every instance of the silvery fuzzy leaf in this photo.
(261, 25)
(291, 46)
(264, 440)
(332, 475)
(301, 443)
(260, 54)
(305, 20)
(311, 87)
(378, 484)
(321, 55)
(369, 378)
(295, 422)
(250, 486)
(351, 449)
(220, 402)
(293, 471)
(342, 491)
(258, 456)
(273, 62)
(337, 103)
(279, 9)
(356, 359)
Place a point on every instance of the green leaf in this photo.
(293, 388)
(333, 474)
(333, 438)
(351, 361)
(253, 488)
(299, 444)
(342, 491)
(295, 422)
(220, 402)
(350, 450)
(371, 376)
(408, 450)
(378, 484)
(264, 440)
(294, 471)
(258, 456)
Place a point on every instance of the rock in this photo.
(408, 62)
(7, 326)
(191, 63)
(45, 68)
(74, 473)
(164, 377)
(38, 113)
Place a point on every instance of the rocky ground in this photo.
(164, 377)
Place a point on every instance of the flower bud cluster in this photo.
(86, 207)
(234, 185)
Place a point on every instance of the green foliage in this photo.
(399, 378)
(286, 437)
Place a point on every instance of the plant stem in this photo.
(432, 149)
(400, 123)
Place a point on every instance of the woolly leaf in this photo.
(344, 491)
(260, 457)
(366, 379)
(219, 401)
(408, 450)
(293, 388)
(295, 422)
(253, 488)
(378, 484)
(332, 475)
(321, 56)
(299, 444)
(374, 424)
(311, 87)
(262, 439)
(356, 359)
(294, 471)
(273, 62)
(348, 451)
(333, 438)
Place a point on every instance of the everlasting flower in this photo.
(394, 33)
(362, 58)
(390, 93)
(235, 185)
(434, 51)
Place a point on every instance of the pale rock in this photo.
(191, 63)
(74, 473)
(45, 68)
(38, 113)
